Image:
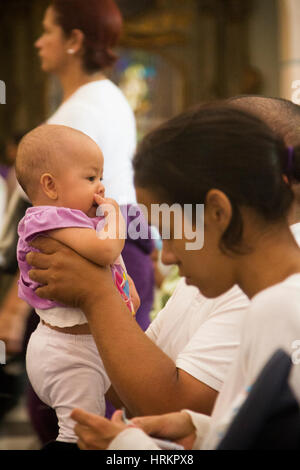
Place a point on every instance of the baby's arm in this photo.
(86, 241)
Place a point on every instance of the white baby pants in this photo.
(66, 372)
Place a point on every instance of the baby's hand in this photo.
(110, 209)
(106, 206)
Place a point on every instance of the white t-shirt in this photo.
(200, 335)
(100, 110)
(295, 229)
(272, 321)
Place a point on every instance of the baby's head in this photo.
(60, 166)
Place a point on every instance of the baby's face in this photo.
(81, 179)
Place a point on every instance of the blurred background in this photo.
(172, 54)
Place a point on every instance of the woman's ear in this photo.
(75, 41)
(218, 209)
(49, 186)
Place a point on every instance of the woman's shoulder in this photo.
(93, 103)
(98, 91)
(290, 283)
(282, 299)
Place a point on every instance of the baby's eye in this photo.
(91, 178)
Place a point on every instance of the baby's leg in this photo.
(66, 373)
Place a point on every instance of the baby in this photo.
(60, 169)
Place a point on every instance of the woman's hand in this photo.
(95, 432)
(177, 427)
(67, 277)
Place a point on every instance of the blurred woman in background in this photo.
(77, 46)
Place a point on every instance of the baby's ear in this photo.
(49, 187)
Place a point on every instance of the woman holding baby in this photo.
(247, 242)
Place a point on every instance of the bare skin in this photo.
(96, 433)
(253, 272)
(164, 388)
(87, 429)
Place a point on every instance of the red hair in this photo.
(99, 20)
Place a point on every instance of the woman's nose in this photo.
(37, 43)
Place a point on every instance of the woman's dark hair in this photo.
(217, 146)
(99, 20)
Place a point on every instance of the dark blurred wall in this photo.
(20, 26)
(213, 44)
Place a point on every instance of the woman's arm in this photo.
(144, 377)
